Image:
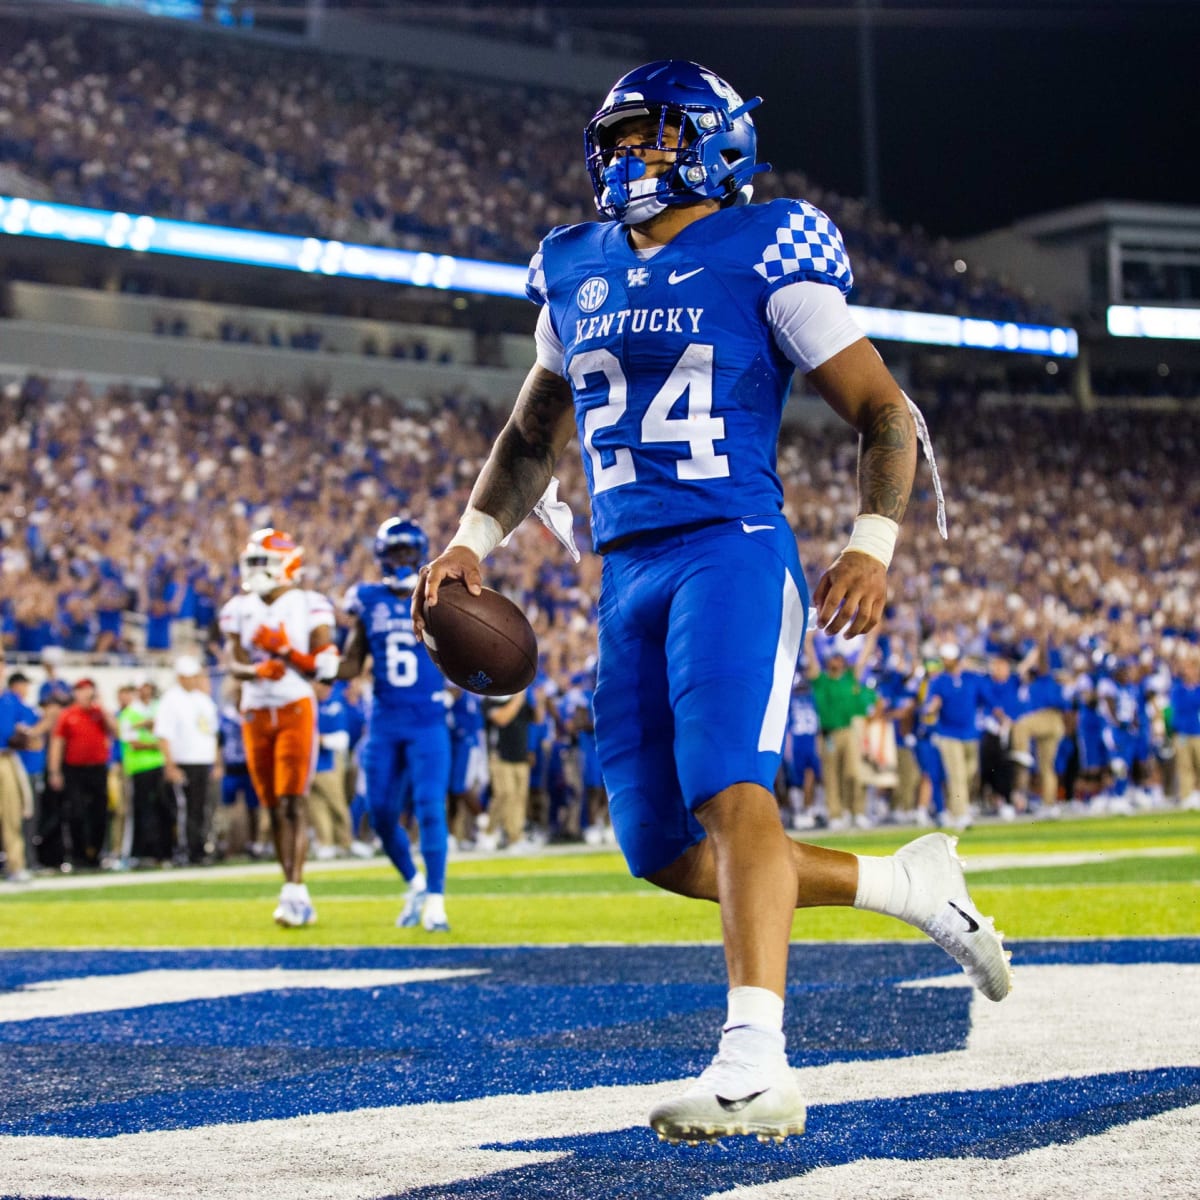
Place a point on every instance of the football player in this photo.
(801, 758)
(468, 765)
(278, 639)
(580, 704)
(668, 338)
(407, 748)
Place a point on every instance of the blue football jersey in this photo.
(466, 717)
(233, 748)
(802, 716)
(679, 385)
(408, 688)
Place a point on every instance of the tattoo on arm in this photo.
(521, 463)
(887, 460)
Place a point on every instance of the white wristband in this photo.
(874, 535)
(478, 532)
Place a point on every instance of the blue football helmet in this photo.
(714, 147)
(400, 548)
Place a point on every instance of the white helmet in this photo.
(270, 560)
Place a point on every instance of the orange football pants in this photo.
(281, 749)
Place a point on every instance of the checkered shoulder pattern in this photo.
(535, 284)
(808, 246)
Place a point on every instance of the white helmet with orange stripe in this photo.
(271, 560)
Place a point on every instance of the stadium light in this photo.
(1136, 320)
(20, 217)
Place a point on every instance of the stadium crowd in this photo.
(139, 501)
(134, 502)
(205, 128)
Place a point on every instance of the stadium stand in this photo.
(128, 489)
(203, 128)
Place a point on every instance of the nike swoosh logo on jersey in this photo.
(675, 277)
(734, 1106)
(972, 924)
(754, 528)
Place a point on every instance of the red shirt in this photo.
(85, 736)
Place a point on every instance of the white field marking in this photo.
(1082, 858)
(649, 893)
(1156, 1157)
(119, 879)
(140, 989)
(71, 883)
(1060, 1021)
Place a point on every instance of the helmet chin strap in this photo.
(406, 583)
(643, 202)
(629, 191)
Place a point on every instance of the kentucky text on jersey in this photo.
(640, 320)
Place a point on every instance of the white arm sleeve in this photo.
(549, 348)
(811, 323)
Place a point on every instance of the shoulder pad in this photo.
(801, 243)
(559, 236)
(352, 601)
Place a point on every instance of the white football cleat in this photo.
(734, 1097)
(295, 909)
(433, 914)
(414, 904)
(940, 906)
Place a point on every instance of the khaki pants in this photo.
(510, 798)
(120, 828)
(1187, 764)
(328, 810)
(1044, 728)
(841, 772)
(12, 812)
(909, 779)
(960, 761)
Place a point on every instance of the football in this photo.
(481, 643)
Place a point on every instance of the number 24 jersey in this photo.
(679, 384)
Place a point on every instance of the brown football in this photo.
(482, 643)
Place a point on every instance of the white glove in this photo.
(327, 660)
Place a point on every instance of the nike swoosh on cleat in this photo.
(675, 277)
(734, 1106)
(972, 924)
(754, 528)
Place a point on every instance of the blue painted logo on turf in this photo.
(538, 1020)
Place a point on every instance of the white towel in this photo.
(557, 517)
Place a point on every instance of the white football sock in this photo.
(754, 1025)
(883, 885)
(755, 1006)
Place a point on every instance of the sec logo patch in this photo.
(592, 293)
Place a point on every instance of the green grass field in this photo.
(1136, 876)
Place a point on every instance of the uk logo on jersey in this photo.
(381, 618)
(512, 1072)
(637, 277)
(592, 293)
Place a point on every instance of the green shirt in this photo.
(840, 700)
(136, 723)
